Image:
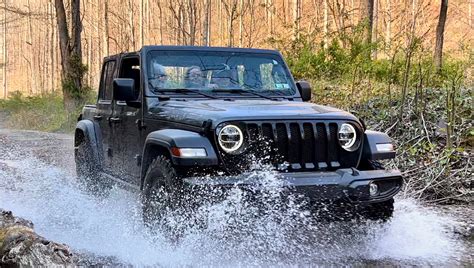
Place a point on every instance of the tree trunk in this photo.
(241, 23)
(71, 53)
(142, 31)
(63, 36)
(252, 25)
(76, 29)
(296, 18)
(161, 22)
(192, 22)
(5, 51)
(388, 31)
(106, 29)
(207, 24)
(370, 19)
(373, 36)
(65, 51)
(148, 22)
(33, 74)
(353, 12)
(221, 22)
(268, 13)
(52, 44)
(326, 24)
(131, 19)
(231, 30)
(438, 54)
(470, 12)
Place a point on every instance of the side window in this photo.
(130, 68)
(106, 81)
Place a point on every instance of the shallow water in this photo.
(44, 190)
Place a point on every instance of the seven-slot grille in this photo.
(307, 145)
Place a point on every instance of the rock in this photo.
(21, 246)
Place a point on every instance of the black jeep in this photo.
(171, 118)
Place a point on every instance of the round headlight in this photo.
(347, 137)
(230, 138)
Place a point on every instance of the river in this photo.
(37, 182)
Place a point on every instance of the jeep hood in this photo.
(195, 112)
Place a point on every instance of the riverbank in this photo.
(21, 246)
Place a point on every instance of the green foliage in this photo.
(44, 112)
(70, 86)
(51, 112)
(433, 171)
(434, 133)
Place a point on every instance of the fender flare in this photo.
(87, 127)
(161, 141)
(371, 140)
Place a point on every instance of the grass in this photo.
(43, 112)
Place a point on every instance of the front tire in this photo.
(163, 197)
(87, 168)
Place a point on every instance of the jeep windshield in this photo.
(218, 73)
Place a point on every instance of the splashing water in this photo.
(236, 233)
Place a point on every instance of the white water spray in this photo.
(236, 232)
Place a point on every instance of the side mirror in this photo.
(124, 89)
(305, 90)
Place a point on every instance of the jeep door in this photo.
(104, 110)
(126, 124)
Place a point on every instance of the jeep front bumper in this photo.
(349, 184)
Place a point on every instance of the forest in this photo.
(404, 66)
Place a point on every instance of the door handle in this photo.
(114, 119)
(140, 124)
(98, 117)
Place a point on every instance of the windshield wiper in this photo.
(186, 90)
(239, 90)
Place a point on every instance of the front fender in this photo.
(169, 138)
(372, 142)
(87, 127)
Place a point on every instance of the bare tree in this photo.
(231, 8)
(31, 62)
(110, 29)
(207, 24)
(470, 12)
(5, 50)
(71, 53)
(193, 20)
(373, 35)
(370, 19)
(142, 18)
(388, 31)
(438, 54)
(269, 11)
(221, 21)
(241, 24)
(296, 18)
(106, 29)
(131, 19)
(252, 28)
(326, 23)
(52, 44)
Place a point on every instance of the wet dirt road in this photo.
(37, 182)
